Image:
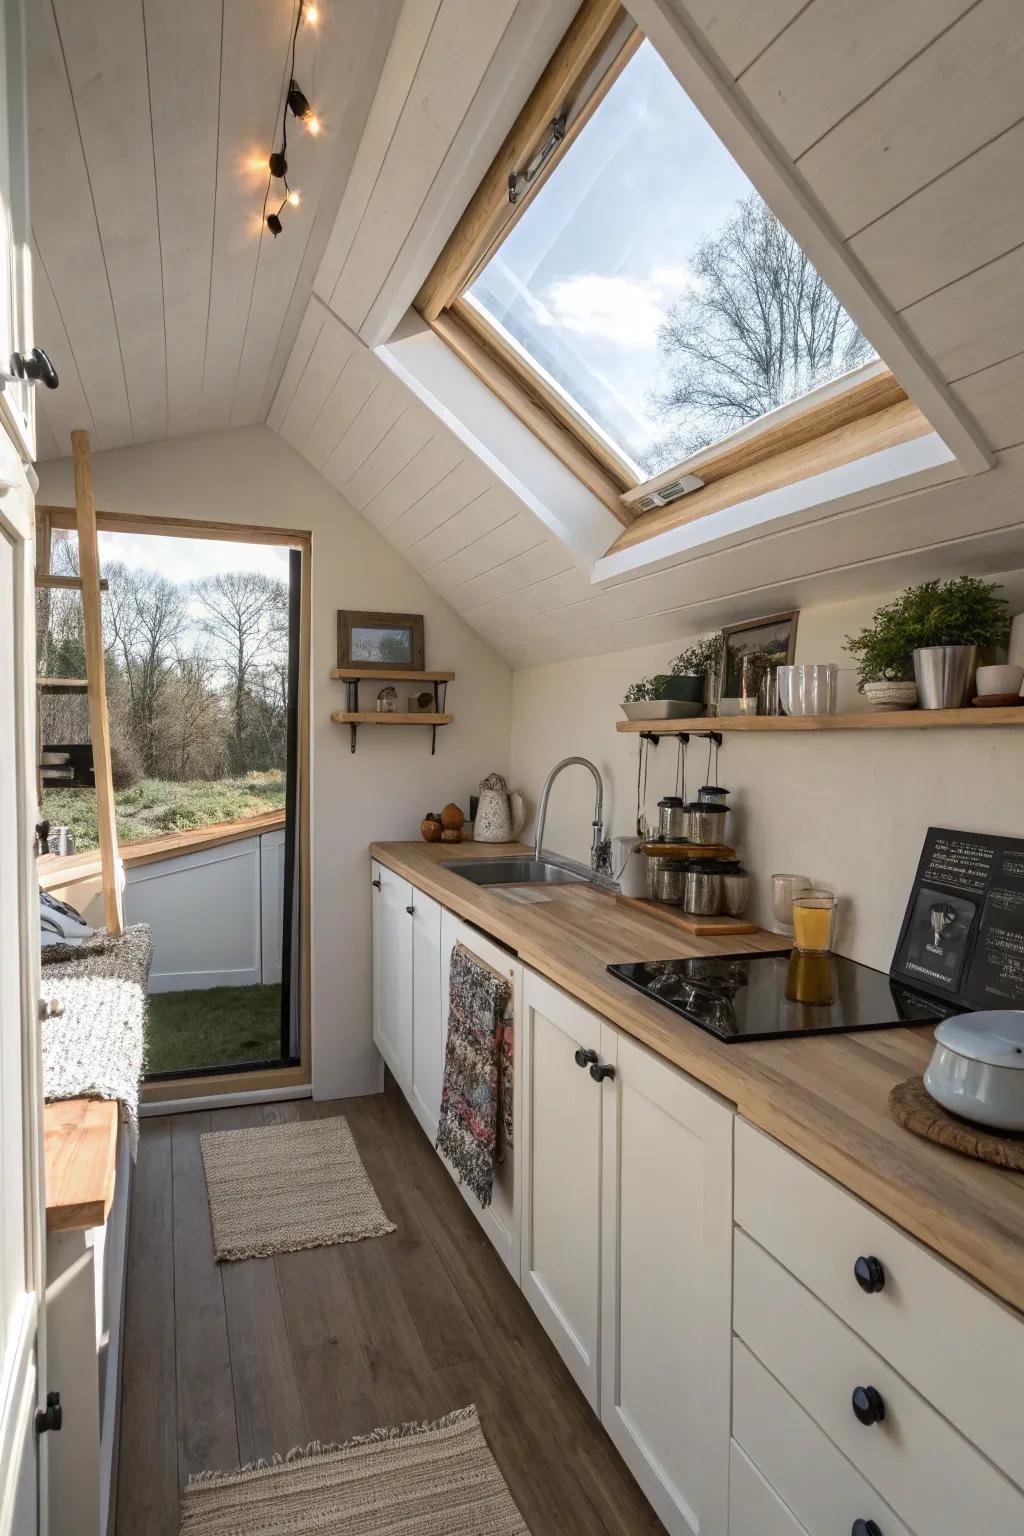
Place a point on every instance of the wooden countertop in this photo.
(80, 1152)
(826, 1098)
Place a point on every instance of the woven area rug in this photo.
(277, 1188)
(435, 1479)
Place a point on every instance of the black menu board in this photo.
(963, 932)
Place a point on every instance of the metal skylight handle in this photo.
(520, 181)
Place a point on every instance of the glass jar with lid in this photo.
(671, 818)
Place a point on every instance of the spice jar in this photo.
(671, 818)
(705, 823)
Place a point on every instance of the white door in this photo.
(392, 972)
(561, 1172)
(666, 1279)
(22, 1214)
(428, 1030)
(17, 405)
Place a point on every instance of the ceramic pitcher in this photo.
(500, 814)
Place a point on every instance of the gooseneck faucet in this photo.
(600, 846)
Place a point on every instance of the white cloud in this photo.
(624, 310)
(189, 559)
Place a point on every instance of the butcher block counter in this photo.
(824, 1097)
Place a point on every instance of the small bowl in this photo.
(1002, 679)
(882, 695)
(977, 1068)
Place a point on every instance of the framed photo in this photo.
(773, 639)
(380, 642)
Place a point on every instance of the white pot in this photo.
(977, 1068)
(1004, 679)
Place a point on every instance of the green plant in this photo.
(696, 660)
(965, 611)
(636, 693)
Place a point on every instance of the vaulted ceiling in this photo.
(892, 133)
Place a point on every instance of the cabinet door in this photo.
(666, 1285)
(392, 972)
(17, 405)
(561, 1169)
(427, 1022)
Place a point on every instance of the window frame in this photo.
(589, 59)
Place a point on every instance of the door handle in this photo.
(584, 1058)
(375, 884)
(410, 910)
(50, 1417)
(600, 1070)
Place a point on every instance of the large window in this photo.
(636, 292)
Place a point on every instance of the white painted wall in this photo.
(251, 477)
(848, 809)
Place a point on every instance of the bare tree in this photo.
(241, 615)
(144, 615)
(757, 328)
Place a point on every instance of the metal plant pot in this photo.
(944, 674)
(688, 688)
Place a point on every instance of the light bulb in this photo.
(314, 124)
(294, 199)
(311, 14)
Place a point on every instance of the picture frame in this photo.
(774, 635)
(384, 643)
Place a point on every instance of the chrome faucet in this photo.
(600, 846)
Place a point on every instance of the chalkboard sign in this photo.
(963, 932)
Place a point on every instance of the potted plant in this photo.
(933, 632)
(636, 699)
(885, 661)
(695, 670)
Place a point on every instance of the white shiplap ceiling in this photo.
(165, 304)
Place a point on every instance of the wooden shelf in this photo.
(868, 720)
(360, 674)
(63, 684)
(374, 717)
(81, 1157)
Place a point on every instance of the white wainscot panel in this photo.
(205, 912)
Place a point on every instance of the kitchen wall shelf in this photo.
(874, 720)
(354, 718)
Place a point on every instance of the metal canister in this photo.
(705, 823)
(671, 818)
(735, 891)
(670, 881)
(702, 888)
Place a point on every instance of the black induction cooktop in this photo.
(773, 994)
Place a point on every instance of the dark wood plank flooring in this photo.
(224, 1364)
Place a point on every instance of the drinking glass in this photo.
(813, 921)
(784, 889)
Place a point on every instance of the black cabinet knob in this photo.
(600, 1070)
(583, 1058)
(410, 910)
(36, 367)
(869, 1273)
(865, 1528)
(375, 884)
(868, 1405)
(50, 1417)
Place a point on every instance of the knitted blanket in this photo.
(93, 1048)
(474, 1100)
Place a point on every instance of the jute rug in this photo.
(435, 1479)
(277, 1188)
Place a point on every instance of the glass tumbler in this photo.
(813, 921)
(784, 889)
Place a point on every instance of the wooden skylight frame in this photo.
(874, 407)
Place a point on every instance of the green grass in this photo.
(155, 806)
(216, 1027)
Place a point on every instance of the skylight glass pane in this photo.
(651, 284)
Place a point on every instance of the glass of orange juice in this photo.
(813, 921)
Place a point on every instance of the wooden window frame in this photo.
(596, 47)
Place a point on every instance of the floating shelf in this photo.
(360, 674)
(357, 717)
(873, 720)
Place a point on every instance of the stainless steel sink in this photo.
(521, 870)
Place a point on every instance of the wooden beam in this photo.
(99, 724)
(63, 583)
(81, 1160)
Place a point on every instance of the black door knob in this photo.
(600, 1070)
(375, 884)
(36, 367)
(583, 1058)
(410, 910)
(869, 1273)
(868, 1405)
(50, 1417)
(865, 1528)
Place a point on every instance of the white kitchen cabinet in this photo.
(392, 972)
(666, 1226)
(427, 1056)
(560, 1166)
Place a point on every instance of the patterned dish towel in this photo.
(93, 1049)
(476, 1098)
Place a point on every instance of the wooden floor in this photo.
(224, 1364)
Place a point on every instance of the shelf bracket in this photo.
(651, 737)
(352, 744)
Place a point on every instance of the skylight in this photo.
(650, 285)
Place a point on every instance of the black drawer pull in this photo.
(583, 1057)
(600, 1070)
(375, 884)
(410, 910)
(869, 1273)
(865, 1528)
(868, 1405)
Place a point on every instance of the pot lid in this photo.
(995, 1037)
(671, 800)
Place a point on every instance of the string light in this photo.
(297, 103)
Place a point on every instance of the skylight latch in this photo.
(668, 493)
(519, 182)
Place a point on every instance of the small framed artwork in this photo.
(772, 640)
(380, 641)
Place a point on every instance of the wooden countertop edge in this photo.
(80, 1156)
(927, 1191)
(56, 872)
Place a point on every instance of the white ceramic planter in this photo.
(1004, 679)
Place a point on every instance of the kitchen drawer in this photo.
(962, 1349)
(922, 1467)
(755, 1509)
(825, 1491)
